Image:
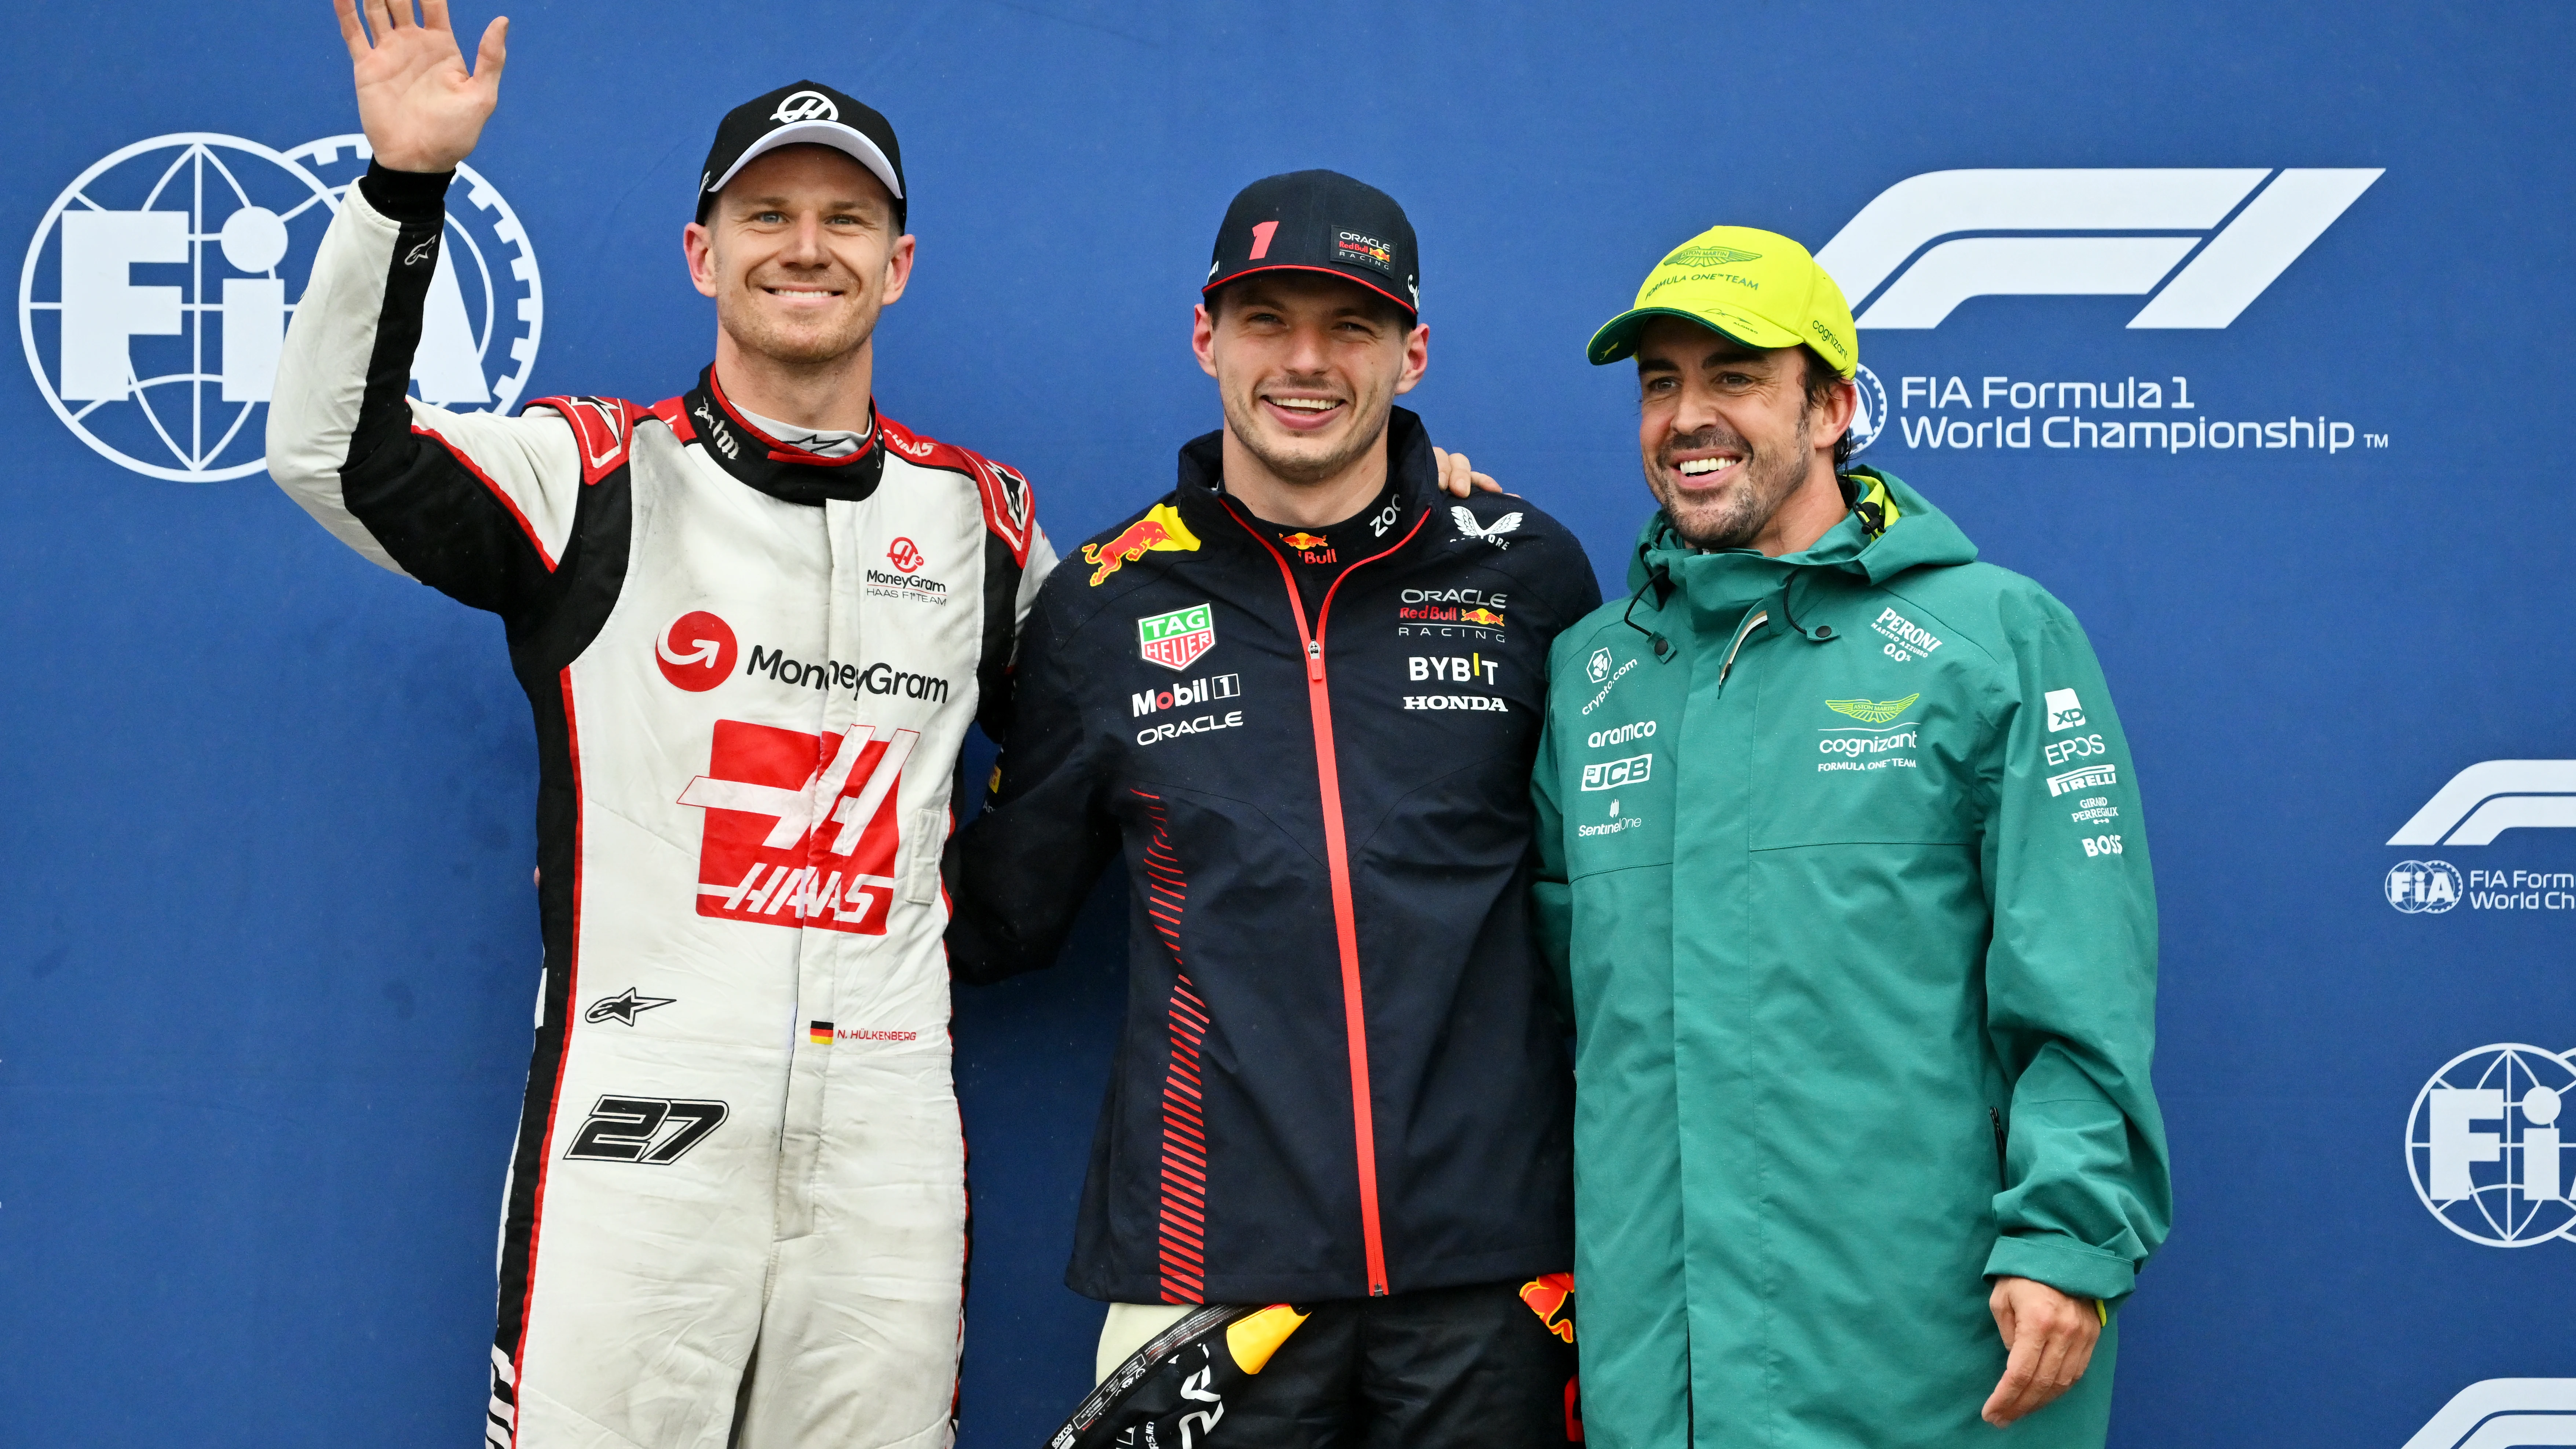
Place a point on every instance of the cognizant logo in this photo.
(2204, 241)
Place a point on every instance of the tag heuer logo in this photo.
(1176, 640)
(1872, 711)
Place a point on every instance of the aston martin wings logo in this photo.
(1491, 533)
(1873, 711)
(1709, 257)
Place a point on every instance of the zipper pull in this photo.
(1314, 661)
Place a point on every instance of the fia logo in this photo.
(153, 301)
(2423, 887)
(1869, 415)
(2147, 221)
(2487, 1150)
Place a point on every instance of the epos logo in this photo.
(154, 298)
(2239, 228)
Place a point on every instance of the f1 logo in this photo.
(1891, 255)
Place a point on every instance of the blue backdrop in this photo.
(267, 944)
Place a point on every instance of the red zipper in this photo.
(1337, 861)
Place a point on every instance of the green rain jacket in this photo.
(1842, 858)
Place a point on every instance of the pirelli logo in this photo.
(2091, 777)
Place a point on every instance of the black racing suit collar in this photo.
(787, 473)
(1413, 483)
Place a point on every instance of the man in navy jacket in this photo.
(1300, 695)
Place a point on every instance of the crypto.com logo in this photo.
(155, 296)
(1892, 255)
(2494, 796)
(2501, 1413)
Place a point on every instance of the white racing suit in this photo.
(736, 1211)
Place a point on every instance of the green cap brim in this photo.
(1618, 336)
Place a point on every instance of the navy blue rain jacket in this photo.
(1341, 1074)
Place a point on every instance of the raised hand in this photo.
(421, 109)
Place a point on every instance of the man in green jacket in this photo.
(1842, 857)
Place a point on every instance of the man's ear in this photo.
(1203, 338)
(698, 246)
(1417, 358)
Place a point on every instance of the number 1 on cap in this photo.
(1261, 231)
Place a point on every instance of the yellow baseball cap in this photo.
(1757, 287)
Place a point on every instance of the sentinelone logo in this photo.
(156, 294)
(2200, 243)
(2480, 803)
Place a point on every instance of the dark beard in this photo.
(1748, 506)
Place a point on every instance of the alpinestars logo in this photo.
(2494, 796)
(2239, 228)
(800, 829)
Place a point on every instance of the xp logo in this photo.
(2423, 887)
(1598, 667)
(2486, 1148)
(905, 555)
(696, 652)
(153, 301)
(2491, 797)
(2008, 235)
(806, 106)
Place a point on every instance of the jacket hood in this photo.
(1916, 535)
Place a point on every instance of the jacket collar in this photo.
(789, 474)
(1413, 481)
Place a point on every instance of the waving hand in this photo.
(422, 110)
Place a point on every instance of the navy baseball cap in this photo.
(803, 114)
(1319, 221)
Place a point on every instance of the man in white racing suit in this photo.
(754, 622)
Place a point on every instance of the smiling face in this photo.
(1308, 366)
(1729, 437)
(801, 256)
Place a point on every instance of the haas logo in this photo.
(697, 652)
(806, 106)
(905, 555)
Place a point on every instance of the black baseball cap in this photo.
(803, 114)
(1319, 221)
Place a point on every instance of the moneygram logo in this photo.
(154, 297)
(1931, 242)
(2487, 1149)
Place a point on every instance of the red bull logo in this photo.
(1486, 617)
(1302, 540)
(1159, 531)
(1551, 1297)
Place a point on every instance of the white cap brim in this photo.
(818, 133)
